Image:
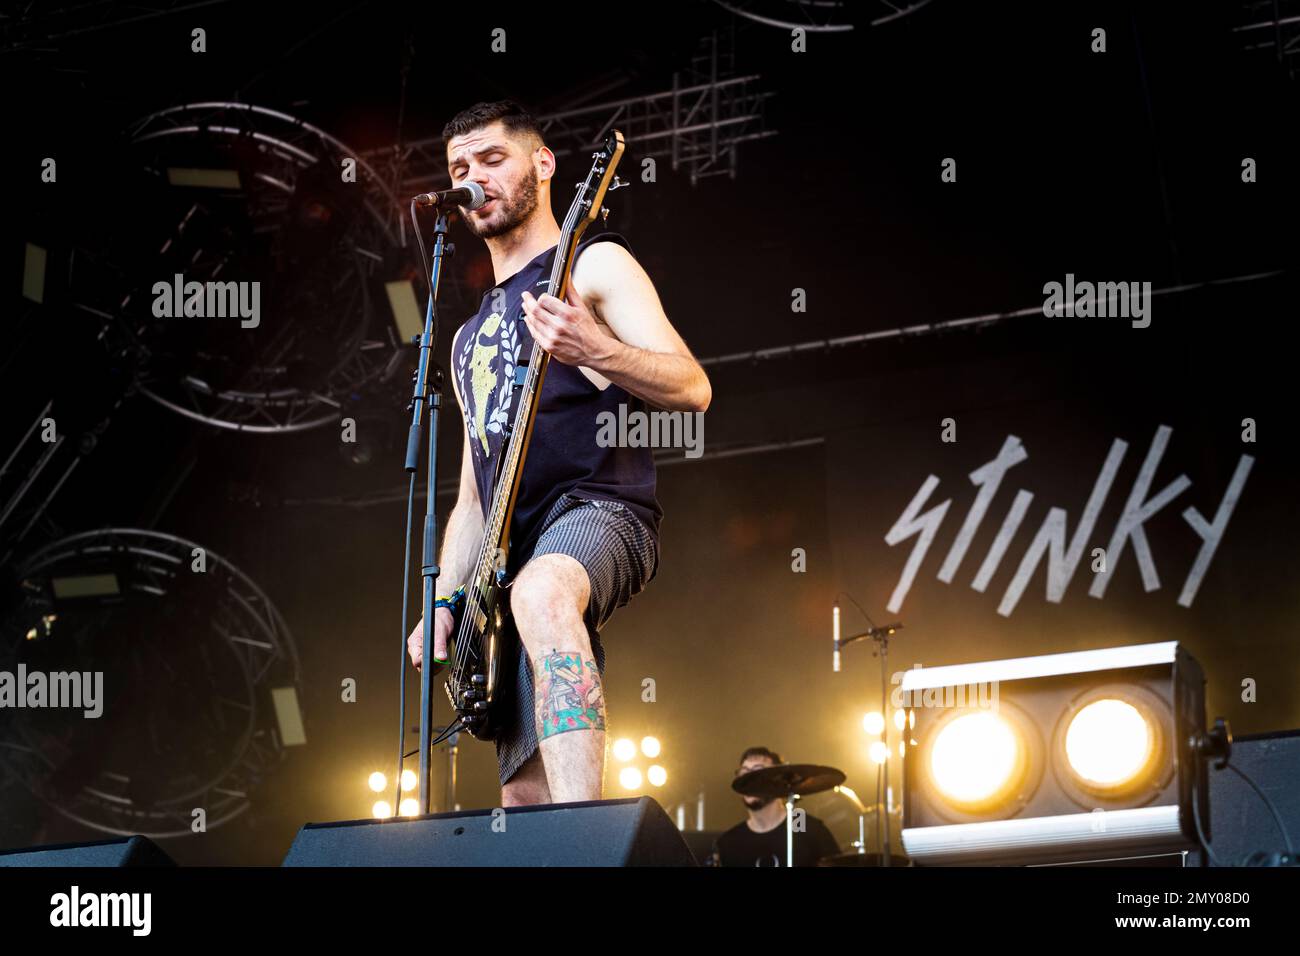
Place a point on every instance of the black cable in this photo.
(426, 266)
(401, 680)
(1277, 818)
(846, 594)
(455, 728)
(1200, 833)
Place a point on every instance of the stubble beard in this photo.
(515, 209)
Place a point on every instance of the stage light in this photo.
(624, 749)
(1108, 743)
(378, 782)
(407, 314)
(1112, 742)
(382, 810)
(203, 178)
(409, 807)
(408, 780)
(67, 587)
(1017, 778)
(900, 718)
(878, 751)
(43, 629)
(873, 723)
(34, 274)
(650, 746)
(657, 775)
(288, 716)
(975, 759)
(630, 778)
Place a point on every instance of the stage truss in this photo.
(190, 660)
(260, 198)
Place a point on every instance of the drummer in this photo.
(760, 840)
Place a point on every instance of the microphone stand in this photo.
(881, 636)
(453, 753)
(428, 390)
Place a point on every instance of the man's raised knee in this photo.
(550, 590)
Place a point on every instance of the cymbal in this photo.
(787, 778)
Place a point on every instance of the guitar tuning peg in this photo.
(604, 214)
(616, 184)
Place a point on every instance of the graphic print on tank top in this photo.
(488, 405)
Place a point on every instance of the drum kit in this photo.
(790, 781)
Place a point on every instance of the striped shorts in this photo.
(621, 557)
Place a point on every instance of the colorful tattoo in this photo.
(569, 696)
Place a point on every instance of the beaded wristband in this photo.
(451, 602)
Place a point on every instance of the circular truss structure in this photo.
(818, 16)
(197, 668)
(287, 235)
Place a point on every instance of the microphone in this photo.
(470, 196)
(835, 638)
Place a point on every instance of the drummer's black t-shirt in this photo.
(741, 846)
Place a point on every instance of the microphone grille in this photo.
(477, 196)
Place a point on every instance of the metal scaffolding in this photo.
(37, 28)
(819, 16)
(1272, 28)
(697, 124)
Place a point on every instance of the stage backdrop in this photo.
(1117, 488)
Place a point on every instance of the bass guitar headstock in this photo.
(600, 180)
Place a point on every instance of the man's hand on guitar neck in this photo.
(442, 624)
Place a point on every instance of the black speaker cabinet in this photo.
(633, 832)
(1241, 824)
(701, 843)
(126, 851)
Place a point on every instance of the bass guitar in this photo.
(480, 690)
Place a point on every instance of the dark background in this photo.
(1116, 166)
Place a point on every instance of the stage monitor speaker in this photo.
(632, 832)
(700, 843)
(125, 851)
(1240, 823)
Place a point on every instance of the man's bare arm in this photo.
(460, 543)
(464, 533)
(614, 324)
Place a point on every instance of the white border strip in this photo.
(1074, 836)
(1046, 665)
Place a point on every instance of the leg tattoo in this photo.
(569, 695)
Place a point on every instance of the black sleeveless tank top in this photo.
(563, 455)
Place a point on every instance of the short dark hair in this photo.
(771, 755)
(513, 117)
